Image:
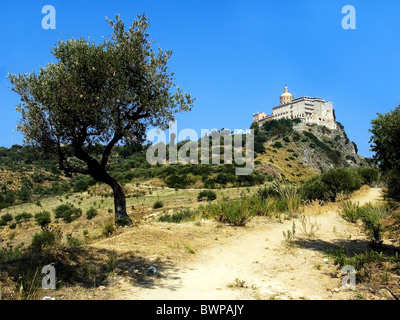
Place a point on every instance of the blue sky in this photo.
(234, 57)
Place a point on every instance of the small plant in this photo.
(73, 242)
(208, 195)
(178, 217)
(189, 249)
(49, 237)
(158, 204)
(372, 219)
(290, 235)
(309, 227)
(351, 211)
(108, 229)
(23, 217)
(5, 218)
(43, 218)
(91, 213)
(237, 284)
(67, 212)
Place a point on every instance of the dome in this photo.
(286, 97)
(286, 93)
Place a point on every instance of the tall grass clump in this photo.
(236, 213)
(372, 217)
(351, 211)
(183, 215)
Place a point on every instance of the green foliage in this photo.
(48, 238)
(351, 211)
(81, 186)
(370, 175)
(372, 217)
(277, 145)
(158, 204)
(6, 218)
(328, 185)
(91, 213)
(183, 215)
(385, 142)
(235, 213)
(108, 229)
(73, 242)
(10, 253)
(43, 218)
(208, 195)
(67, 212)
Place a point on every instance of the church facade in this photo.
(308, 110)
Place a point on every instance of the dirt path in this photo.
(258, 265)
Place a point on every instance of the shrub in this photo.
(10, 253)
(43, 218)
(328, 185)
(208, 195)
(48, 238)
(158, 204)
(73, 242)
(6, 218)
(372, 219)
(67, 212)
(23, 217)
(91, 213)
(266, 192)
(232, 212)
(108, 229)
(277, 145)
(178, 217)
(369, 174)
(81, 185)
(351, 211)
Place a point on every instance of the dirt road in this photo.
(257, 264)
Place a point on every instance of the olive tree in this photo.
(99, 94)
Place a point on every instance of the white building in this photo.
(308, 110)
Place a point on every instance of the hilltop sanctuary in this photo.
(308, 110)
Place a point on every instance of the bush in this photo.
(43, 218)
(91, 213)
(67, 212)
(208, 195)
(267, 192)
(178, 217)
(328, 185)
(235, 213)
(73, 242)
(6, 218)
(158, 204)
(372, 219)
(370, 175)
(23, 217)
(351, 211)
(108, 229)
(46, 239)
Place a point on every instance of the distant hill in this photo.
(295, 151)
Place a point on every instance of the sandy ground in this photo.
(255, 263)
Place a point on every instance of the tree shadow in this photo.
(88, 267)
(352, 247)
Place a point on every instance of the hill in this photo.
(291, 150)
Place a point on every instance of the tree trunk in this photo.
(121, 217)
